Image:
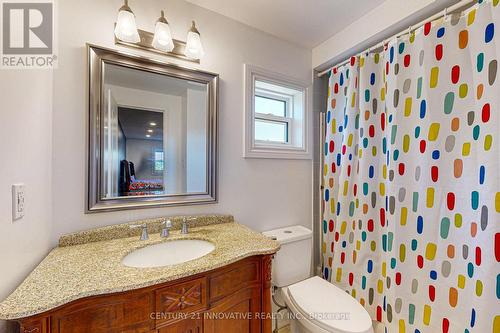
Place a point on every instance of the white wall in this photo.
(196, 141)
(391, 17)
(25, 146)
(262, 194)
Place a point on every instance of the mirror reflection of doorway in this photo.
(141, 152)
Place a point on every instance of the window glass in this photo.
(273, 131)
(266, 105)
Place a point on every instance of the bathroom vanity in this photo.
(84, 286)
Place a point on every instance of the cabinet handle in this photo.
(33, 330)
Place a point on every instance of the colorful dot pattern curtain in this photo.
(411, 222)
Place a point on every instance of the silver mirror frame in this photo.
(97, 58)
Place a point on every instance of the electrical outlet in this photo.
(18, 201)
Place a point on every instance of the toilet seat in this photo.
(327, 307)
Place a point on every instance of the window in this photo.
(159, 163)
(266, 105)
(275, 116)
(272, 119)
(271, 131)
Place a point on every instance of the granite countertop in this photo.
(87, 264)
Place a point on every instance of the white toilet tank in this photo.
(292, 263)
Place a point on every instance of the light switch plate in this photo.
(18, 201)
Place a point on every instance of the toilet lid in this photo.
(330, 307)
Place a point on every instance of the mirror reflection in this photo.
(154, 134)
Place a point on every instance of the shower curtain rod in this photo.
(443, 13)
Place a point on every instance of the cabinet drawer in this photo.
(179, 298)
(121, 313)
(235, 278)
(35, 326)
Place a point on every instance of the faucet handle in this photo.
(144, 226)
(185, 224)
(165, 232)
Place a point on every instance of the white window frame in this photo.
(293, 148)
(287, 118)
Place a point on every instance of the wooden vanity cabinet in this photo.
(235, 298)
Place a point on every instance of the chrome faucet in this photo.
(165, 231)
(144, 234)
(185, 228)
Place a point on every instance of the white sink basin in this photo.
(168, 253)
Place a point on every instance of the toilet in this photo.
(315, 305)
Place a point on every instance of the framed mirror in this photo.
(152, 133)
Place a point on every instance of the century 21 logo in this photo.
(27, 28)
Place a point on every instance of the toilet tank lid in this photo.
(289, 234)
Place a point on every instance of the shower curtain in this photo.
(411, 220)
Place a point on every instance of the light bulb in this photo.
(126, 29)
(194, 49)
(162, 39)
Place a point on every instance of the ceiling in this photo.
(303, 22)
(135, 123)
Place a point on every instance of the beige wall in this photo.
(25, 147)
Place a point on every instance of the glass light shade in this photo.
(194, 49)
(162, 39)
(126, 29)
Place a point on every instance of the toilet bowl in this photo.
(315, 305)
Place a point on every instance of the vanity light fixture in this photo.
(162, 39)
(194, 49)
(126, 29)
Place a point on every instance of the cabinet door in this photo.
(239, 313)
(185, 326)
(181, 298)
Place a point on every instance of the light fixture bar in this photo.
(146, 43)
